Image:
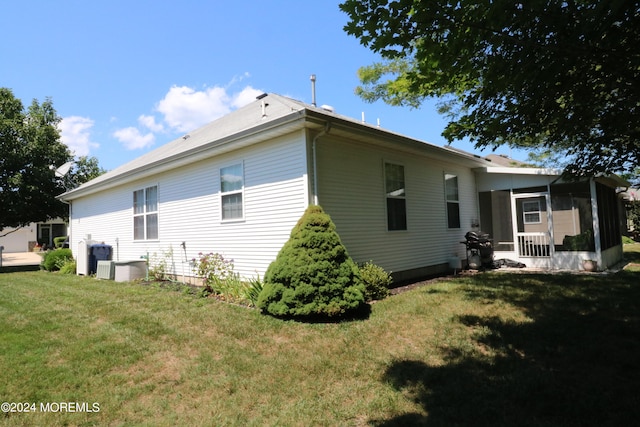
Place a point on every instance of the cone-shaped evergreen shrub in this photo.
(313, 274)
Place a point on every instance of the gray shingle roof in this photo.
(267, 112)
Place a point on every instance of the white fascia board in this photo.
(520, 171)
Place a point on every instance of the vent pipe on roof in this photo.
(313, 90)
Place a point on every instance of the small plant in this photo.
(160, 265)
(214, 270)
(254, 287)
(56, 259)
(59, 241)
(376, 281)
(68, 267)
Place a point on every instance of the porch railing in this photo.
(532, 245)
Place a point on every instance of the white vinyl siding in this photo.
(275, 195)
(352, 190)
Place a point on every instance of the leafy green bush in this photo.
(376, 281)
(68, 267)
(55, 259)
(313, 275)
(59, 241)
(253, 290)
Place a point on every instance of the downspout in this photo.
(69, 229)
(327, 128)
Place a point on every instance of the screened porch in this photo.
(552, 224)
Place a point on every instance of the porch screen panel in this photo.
(495, 218)
(572, 217)
(608, 217)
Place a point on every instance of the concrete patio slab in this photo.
(20, 259)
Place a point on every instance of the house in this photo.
(25, 239)
(238, 185)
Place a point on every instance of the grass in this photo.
(492, 349)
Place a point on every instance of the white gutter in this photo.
(327, 128)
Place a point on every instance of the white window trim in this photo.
(536, 211)
(145, 213)
(229, 193)
(447, 200)
(399, 197)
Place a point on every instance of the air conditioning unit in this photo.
(106, 270)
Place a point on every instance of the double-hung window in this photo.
(531, 212)
(396, 197)
(145, 213)
(232, 192)
(452, 200)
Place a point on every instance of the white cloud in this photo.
(150, 123)
(75, 134)
(185, 109)
(132, 139)
(246, 96)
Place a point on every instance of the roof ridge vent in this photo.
(328, 108)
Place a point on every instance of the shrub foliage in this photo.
(54, 260)
(313, 275)
(376, 281)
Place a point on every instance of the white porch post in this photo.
(552, 245)
(514, 224)
(596, 221)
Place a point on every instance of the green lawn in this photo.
(491, 349)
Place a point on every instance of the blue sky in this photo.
(127, 76)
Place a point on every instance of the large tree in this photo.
(83, 169)
(31, 149)
(554, 74)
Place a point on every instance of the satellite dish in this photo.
(63, 170)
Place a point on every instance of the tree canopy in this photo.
(554, 74)
(30, 145)
(84, 169)
(31, 151)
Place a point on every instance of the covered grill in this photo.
(479, 250)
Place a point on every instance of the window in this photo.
(531, 212)
(145, 214)
(396, 197)
(231, 190)
(452, 200)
